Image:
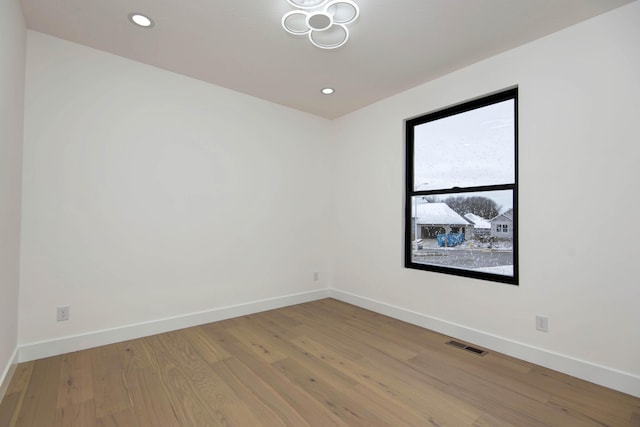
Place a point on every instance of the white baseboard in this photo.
(7, 373)
(602, 375)
(39, 350)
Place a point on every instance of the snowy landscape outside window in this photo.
(462, 191)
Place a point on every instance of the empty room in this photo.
(319, 213)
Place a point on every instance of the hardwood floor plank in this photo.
(564, 385)
(149, 399)
(75, 385)
(206, 348)
(9, 408)
(316, 365)
(288, 348)
(110, 392)
(277, 326)
(133, 355)
(453, 366)
(338, 400)
(267, 405)
(488, 420)
(279, 318)
(513, 404)
(399, 382)
(306, 406)
(591, 411)
(323, 363)
(187, 405)
(39, 405)
(21, 378)
(182, 376)
(334, 324)
(125, 418)
(259, 343)
(80, 414)
(185, 371)
(392, 408)
(14, 397)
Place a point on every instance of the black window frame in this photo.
(410, 192)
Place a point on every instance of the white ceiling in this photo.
(240, 45)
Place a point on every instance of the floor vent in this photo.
(468, 348)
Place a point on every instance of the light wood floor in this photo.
(323, 363)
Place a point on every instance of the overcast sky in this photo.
(469, 149)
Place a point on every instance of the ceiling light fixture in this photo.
(328, 91)
(141, 20)
(324, 21)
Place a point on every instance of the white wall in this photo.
(12, 59)
(149, 195)
(579, 168)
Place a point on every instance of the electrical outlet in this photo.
(63, 313)
(542, 323)
(316, 276)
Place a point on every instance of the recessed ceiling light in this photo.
(141, 20)
(327, 91)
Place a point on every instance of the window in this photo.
(502, 228)
(462, 191)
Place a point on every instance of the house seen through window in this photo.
(461, 189)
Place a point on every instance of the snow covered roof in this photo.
(478, 221)
(438, 213)
(505, 216)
